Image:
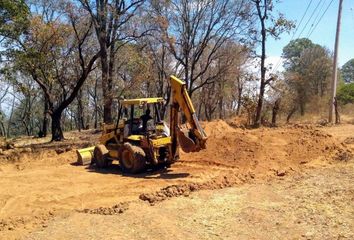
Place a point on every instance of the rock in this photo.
(281, 172)
(19, 167)
(59, 150)
(343, 155)
(8, 152)
(69, 148)
(27, 150)
(10, 146)
(322, 122)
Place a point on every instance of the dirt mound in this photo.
(217, 127)
(265, 150)
(114, 210)
(185, 189)
(249, 154)
(349, 140)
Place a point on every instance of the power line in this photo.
(317, 16)
(351, 9)
(320, 19)
(302, 18)
(313, 12)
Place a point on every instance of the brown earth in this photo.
(41, 186)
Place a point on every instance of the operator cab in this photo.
(142, 117)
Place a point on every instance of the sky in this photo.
(323, 34)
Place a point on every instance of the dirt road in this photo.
(44, 192)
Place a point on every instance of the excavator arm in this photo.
(192, 138)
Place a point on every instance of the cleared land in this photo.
(288, 182)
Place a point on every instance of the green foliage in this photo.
(308, 71)
(347, 71)
(13, 17)
(293, 50)
(280, 25)
(345, 94)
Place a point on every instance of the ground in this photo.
(292, 182)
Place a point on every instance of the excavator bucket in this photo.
(185, 140)
(85, 155)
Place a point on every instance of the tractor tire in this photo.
(100, 156)
(132, 159)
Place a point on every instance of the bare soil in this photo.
(289, 182)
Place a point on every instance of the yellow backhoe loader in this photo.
(140, 138)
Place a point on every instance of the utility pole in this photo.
(335, 66)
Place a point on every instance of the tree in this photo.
(162, 66)
(111, 19)
(269, 25)
(308, 72)
(292, 52)
(13, 18)
(315, 69)
(219, 97)
(347, 71)
(56, 53)
(345, 94)
(194, 31)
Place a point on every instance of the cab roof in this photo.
(141, 101)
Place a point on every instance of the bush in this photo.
(345, 94)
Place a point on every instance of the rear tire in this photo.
(132, 159)
(100, 154)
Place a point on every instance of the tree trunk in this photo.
(8, 133)
(107, 98)
(45, 120)
(111, 67)
(275, 112)
(57, 132)
(221, 107)
(290, 114)
(257, 120)
(80, 112)
(95, 101)
(302, 109)
(207, 112)
(239, 97)
(2, 129)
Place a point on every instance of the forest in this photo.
(66, 64)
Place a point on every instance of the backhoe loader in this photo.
(139, 139)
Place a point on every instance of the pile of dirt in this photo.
(276, 150)
(349, 140)
(256, 153)
(114, 210)
(186, 189)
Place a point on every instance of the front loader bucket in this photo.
(85, 155)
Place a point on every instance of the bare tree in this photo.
(111, 19)
(194, 31)
(268, 26)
